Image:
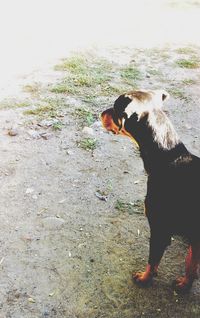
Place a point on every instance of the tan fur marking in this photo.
(109, 124)
(142, 101)
(140, 95)
(163, 130)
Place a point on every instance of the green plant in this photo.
(74, 64)
(57, 125)
(130, 75)
(188, 81)
(185, 50)
(85, 116)
(32, 88)
(64, 88)
(40, 110)
(88, 144)
(130, 208)
(178, 93)
(188, 63)
(13, 103)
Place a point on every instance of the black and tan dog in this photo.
(173, 187)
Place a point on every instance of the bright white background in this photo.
(34, 32)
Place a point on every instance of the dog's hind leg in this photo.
(157, 248)
(183, 284)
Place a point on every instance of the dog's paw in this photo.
(143, 279)
(182, 285)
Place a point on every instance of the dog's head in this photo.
(129, 109)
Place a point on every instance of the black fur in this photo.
(173, 189)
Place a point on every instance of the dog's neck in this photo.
(158, 141)
(156, 158)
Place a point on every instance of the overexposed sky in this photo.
(33, 32)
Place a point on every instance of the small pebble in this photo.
(29, 190)
(31, 300)
(88, 131)
(46, 136)
(12, 132)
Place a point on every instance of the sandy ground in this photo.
(65, 252)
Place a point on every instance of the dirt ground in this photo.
(71, 204)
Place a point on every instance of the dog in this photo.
(173, 179)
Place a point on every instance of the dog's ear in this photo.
(159, 96)
(165, 95)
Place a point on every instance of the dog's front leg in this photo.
(158, 245)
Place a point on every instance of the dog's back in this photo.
(175, 192)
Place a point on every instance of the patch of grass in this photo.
(130, 74)
(74, 64)
(188, 63)
(56, 102)
(178, 93)
(85, 70)
(88, 144)
(32, 88)
(47, 107)
(40, 110)
(111, 89)
(72, 82)
(57, 125)
(156, 53)
(188, 81)
(185, 50)
(154, 72)
(30, 112)
(87, 78)
(20, 104)
(78, 84)
(102, 64)
(10, 103)
(100, 78)
(90, 97)
(164, 55)
(85, 116)
(64, 88)
(13, 103)
(130, 208)
(82, 80)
